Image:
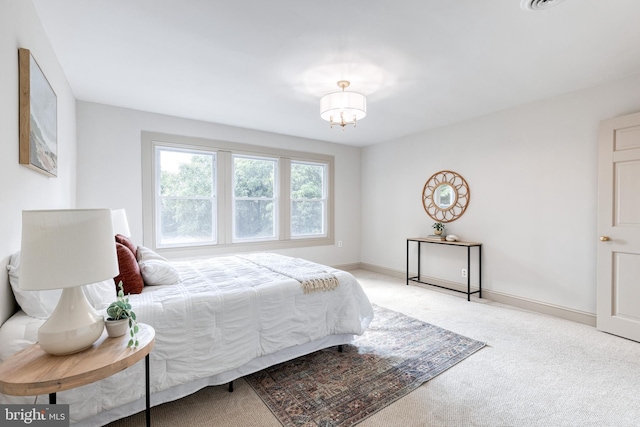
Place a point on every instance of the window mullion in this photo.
(158, 199)
(285, 198)
(225, 205)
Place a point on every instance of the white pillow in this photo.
(41, 304)
(17, 333)
(145, 254)
(38, 304)
(101, 294)
(155, 269)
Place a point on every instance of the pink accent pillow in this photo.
(132, 282)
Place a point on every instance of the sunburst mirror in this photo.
(445, 196)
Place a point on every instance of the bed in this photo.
(227, 317)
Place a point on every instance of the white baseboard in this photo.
(382, 270)
(500, 297)
(348, 267)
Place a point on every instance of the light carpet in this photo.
(537, 371)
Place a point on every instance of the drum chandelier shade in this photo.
(66, 249)
(343, 108)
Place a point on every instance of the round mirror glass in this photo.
(445, 196)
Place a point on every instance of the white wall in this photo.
(109, 168)
(532, 171)
(23, 188)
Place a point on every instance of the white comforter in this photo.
(226, 313)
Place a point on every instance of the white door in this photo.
(619, 227)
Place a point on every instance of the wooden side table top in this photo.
(32, 371)
(443, 242)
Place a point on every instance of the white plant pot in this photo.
(116, 328)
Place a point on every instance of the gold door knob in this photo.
(604, 238)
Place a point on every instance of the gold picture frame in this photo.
(38, 117)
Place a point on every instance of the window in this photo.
(308, 199)
(186, 202)
(255, 204)
(204, 197)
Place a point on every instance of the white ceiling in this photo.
(265, 64)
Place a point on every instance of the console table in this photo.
(32, 371)
(423, 240)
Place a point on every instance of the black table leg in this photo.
(148, 390)
(52, 398)
(419, 245)
(468, 273)
(480, 270)
(407, 262)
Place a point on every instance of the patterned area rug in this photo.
(393, 357)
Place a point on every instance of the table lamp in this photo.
(120, 223)
(66, 249)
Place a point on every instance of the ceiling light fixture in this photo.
(343, 108)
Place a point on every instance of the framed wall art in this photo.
(38, 117)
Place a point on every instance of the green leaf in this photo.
(131, 343)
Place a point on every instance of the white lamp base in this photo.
(73, 326)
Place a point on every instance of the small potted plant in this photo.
(438, 227)
(120, 317)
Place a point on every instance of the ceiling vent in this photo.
(536, 5)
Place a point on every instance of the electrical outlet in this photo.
(464, 272)
(339, 243)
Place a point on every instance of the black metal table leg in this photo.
(419, 256)
(468, 273)
(148, 390)
(407, 262)
(480, 271)
(52, 398)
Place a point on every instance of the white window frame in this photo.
(224, 158)
(323, 200)
(274, 199)
(159, 198)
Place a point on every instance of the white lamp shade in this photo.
(66, 248)
(352, 105)
(120, 223)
